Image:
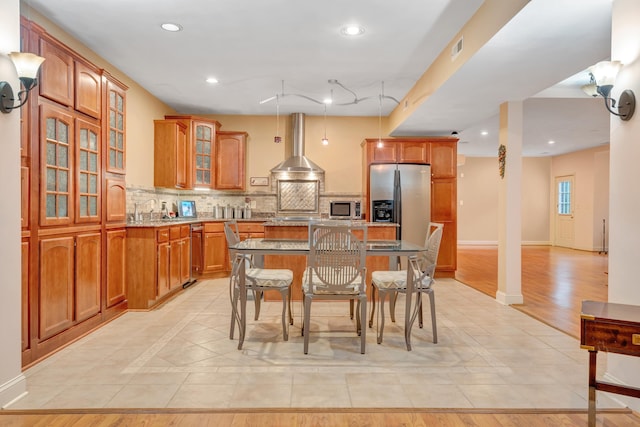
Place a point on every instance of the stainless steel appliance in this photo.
(345, 209)
(382, 210)
(408, 186)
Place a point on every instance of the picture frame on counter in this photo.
(259, 181)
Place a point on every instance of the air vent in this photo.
(456, 49)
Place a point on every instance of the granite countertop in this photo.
(181, 221)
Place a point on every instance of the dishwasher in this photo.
(195, 253)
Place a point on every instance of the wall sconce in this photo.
(27, 66)
(603, 77)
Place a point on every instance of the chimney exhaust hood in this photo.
(297, 162)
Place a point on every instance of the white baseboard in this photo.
(495, 243)
(13, 390)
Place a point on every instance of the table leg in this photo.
(407, 309)
(242, 287)
(592, 388)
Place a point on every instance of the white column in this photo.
(624, 175)
(12, 382)
(509, 206)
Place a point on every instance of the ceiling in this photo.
(277, 50)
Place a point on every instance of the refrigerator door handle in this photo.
(397, 203)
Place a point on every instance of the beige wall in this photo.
(590, 171)
(478, 181)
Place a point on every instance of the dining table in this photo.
(395, 250)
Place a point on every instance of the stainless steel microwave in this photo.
(345, 209)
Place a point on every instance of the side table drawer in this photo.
(611, 337)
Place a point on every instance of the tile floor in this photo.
(180, 356)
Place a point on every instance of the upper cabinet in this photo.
(114, 124)
(191, 152)
(56, 74)
(444, 160)
(230, 160)
(397, 150)
(88, 89)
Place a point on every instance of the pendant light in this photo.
(325, 141)
(380, 143)
(277, 139)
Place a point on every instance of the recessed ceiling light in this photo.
(352, 30)
(212, 80)
(170, 26)
(551, 142)
(327, 101)
(484, 133)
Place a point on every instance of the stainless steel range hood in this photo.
(297, 162)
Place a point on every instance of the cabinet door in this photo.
(170, 157)
(215, 252)
(447, 256)
(443, 200)
(203, 136)
(55, 304)
(175, 264)
(443, 160)
(382, 153)
(87, 280)
(181, 159)
(116, 267)
(87, 195)
(413, 152)
(116, 200)
(56, 154)
(56, 73)
(230, 160)
(87, 90)
(163, 268)
(25, 295)
(115, 128)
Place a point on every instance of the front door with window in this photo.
(564, 230)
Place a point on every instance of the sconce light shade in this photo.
(603, 78)
(27, 66)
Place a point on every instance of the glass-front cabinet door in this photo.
(88, 171)
(116, 129)
(204, 140)
(56, 164)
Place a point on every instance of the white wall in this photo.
(478, 181)
(624, 237)
(12, 382)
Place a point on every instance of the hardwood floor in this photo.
(555, 280)
(330, 417)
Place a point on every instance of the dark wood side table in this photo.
(614, 328)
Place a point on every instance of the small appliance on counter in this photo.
(187, 209)
(345, 209)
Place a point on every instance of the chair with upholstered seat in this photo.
(390, 283)
(335, 270)
(257, 280)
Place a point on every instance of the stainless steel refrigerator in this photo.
(408, 188)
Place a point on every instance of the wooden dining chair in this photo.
(336, 270)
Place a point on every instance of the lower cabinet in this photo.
(215, 254)
(157, 263)
(116, 291)
(69, 282)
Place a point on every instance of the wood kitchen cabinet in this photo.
(441, 154)
(200, 149)
(157, 263)
(69, 281)
(215, 253)
(72, 234)
(230, 160)
(115, 287)
(170, 154)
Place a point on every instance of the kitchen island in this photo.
(299, 230)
